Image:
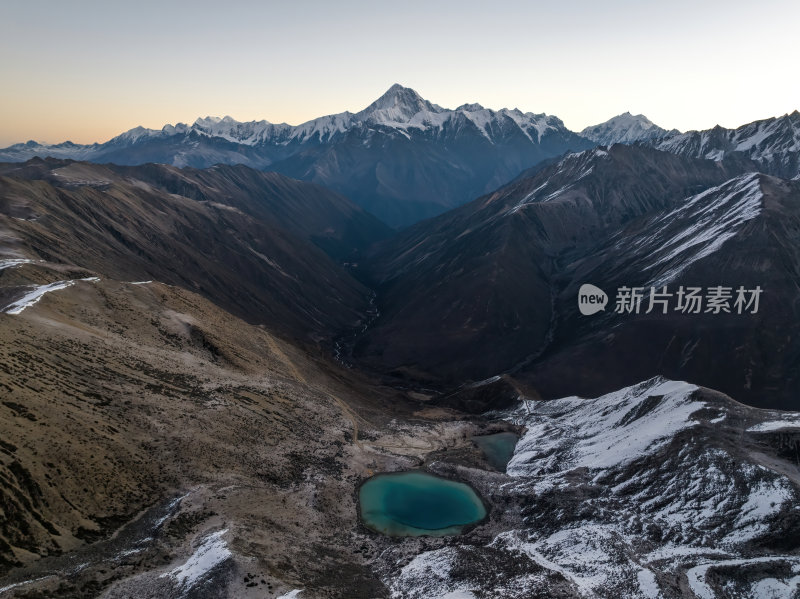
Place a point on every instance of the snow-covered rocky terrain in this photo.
(773, 143)
(662, 489)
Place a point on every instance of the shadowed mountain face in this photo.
(309, 211)
(492, 287)
(402, 158)
(743, 233)
(251, 242)
(436, 162)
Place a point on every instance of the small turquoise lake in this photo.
(498, 448)
(411, 504)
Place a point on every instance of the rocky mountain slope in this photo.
(139, 417)
(251, 242)
(156, 446)
(742, 233)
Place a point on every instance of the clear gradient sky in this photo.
(85, 70)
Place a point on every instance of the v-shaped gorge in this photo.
(491, 288)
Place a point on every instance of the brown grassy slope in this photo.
(115, 394)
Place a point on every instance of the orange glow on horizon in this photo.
(88, 72)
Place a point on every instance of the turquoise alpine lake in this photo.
(412, 504)
(498, 448)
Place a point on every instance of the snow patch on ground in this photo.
(648, 584)
(13, 262)
(772, 588)
(23, 583)
(788, 420)
(211, 552)
(169, 510)
(32, 297)
(765, 500)
(581, 555)
(701, 588)
(426, 576)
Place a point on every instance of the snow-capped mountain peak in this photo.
(473, 107)
(625, 128)
(398, 105)
(132, 136)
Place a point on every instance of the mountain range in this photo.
(210, 340)
(404, 159)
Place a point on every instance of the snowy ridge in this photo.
(249, 133)
(25, 151)
(633, 494)
(399, 108)
(775, 420)
(759, 139)
(573, 167)
(602, 433)
(13, 262)
(774, 143)
(698, 227)
(398, 105)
